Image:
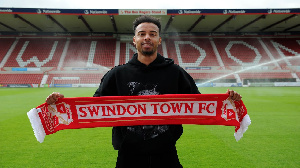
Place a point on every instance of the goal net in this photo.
(64, 81)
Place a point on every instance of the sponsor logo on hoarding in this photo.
(189, 11)
(95, 12)
(27, 34)
(233, 11)
(279, 11)
(142, 12)
(39, 11)
(6, 10)
(62, 34)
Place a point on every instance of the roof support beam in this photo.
(169, 22)
(280, 21)
(26, 21)
(56, 22)
(85, 22)
(7, 26)
(112, 19)
(253, 21)
(220, 25)
(287, 29)
(197, 21)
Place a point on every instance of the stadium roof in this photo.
(119, 21)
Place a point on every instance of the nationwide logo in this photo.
(217, 34)
(233, 11)
(189, 12)
(249, 34)
(39, 11)
(6, 10)
(281, 11)
(269, 11)
(282, 34)
(95, 12)
(96, 34)
(27, 34)
(62, 34)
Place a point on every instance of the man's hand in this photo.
(53, 97)
(234, 95)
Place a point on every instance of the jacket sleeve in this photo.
(107, 86)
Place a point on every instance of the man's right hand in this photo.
(53, 97)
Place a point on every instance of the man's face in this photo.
(147, 39)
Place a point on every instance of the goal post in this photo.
(64, 81)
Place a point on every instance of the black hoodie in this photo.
(161, 76)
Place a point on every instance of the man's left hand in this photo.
(234, 95)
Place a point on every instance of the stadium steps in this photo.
(268, 52)
(44, 80)
(294, 75)
(164, 48)
(91, 54)
(63, 55)
(219, 59)
(278, 46)
(7, 55)
(237, 77)
(117, 54)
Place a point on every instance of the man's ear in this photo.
(133, 40)
(159, 42)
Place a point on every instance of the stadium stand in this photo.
(77, 53)
(105, 53)
(57, 57)
(265, 75)
(85, 78)
(284, 47)
(89, 53)
(36, 52)
(20, 78)
(5, 44)
(240, 51)
(191, 52)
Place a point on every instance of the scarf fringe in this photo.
(243, 127)
(36, 124)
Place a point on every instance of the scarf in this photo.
(110, 111)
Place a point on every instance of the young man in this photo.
(147, 73)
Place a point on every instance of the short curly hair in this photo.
(146, 19)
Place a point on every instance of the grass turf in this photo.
(272, 139)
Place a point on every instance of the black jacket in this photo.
(162, 76)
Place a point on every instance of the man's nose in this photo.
(147, 37)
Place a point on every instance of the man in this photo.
(147, 73)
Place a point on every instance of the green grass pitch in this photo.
(272, 140)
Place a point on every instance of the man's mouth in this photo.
(147, 44)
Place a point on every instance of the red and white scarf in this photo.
(108, 111)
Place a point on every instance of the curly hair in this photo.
(146, 19)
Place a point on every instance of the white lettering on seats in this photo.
(278, 46)
(34, 59)
(129, 46)
(198, 61)
(255, 60)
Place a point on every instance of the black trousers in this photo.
(158, 159)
